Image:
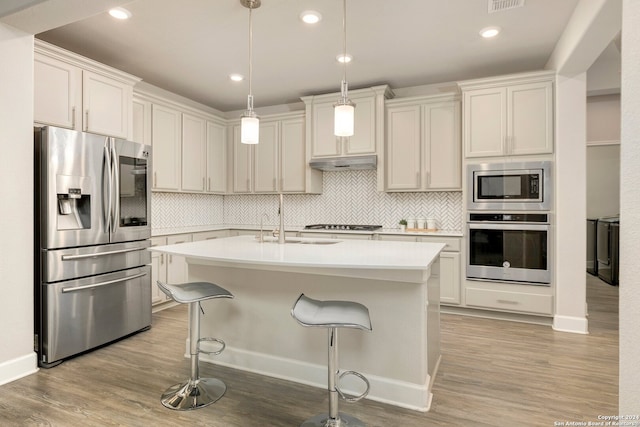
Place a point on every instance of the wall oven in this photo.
(512, 247)
(509, 186)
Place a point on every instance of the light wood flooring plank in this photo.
(492, 373)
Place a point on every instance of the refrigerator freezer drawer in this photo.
(86, 313)
(66, 264)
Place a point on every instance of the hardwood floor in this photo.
(492, 373)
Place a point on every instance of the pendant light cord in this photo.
(344, 49)
(250, 98)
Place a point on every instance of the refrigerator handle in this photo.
(116, 179)
(106, 205)
(97, 285)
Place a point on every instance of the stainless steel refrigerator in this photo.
(92, 229)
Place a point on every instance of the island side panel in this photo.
(262, 336)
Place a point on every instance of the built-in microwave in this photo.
(509, 186)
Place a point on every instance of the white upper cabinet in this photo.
(141, 124)
(166, 132)
(423, 144)
(508, 115)
(216, 157)
(194, 142)
(368, 115)
(77, 93)
(278, 163)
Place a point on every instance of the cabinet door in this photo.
(194, 137)
(441, 138)
(158, 271)
(403, 148)
(106, 105)
(166, 129)
(293, 165)
(450, 277)
(530, 119)
(57, 93)
(241, 164)
(216, 158)
(177, 267)
(141, 122)
(484, 122)
(324, 142)
(363, 140)
(265, 161)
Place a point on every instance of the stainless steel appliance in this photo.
(509, 186)
(512, 247)
(350, 227)
(608, 249)
(592, 264)
(92, 228)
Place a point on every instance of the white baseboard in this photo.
(407, 395)
(576, 325)
(14, 369)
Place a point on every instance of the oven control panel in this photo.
(509, 217)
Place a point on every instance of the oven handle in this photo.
(519, 226)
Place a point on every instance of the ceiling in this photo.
(190, 47)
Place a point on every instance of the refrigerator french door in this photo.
(92, 230)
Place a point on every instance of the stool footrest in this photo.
(353, 398)
(209, 339)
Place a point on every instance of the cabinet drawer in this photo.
(511, 301)
(453, 243)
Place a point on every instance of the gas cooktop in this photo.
(342, 227)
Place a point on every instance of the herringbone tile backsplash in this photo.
(347, 198)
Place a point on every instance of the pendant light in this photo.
(343, 117)
(249, 121)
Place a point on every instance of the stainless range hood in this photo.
(345, 163)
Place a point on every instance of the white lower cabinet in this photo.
(450, 267)
(158, 271)
(524, 302)
(167, 268)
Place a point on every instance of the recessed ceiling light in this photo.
(120, 13)
(236, 77)
(489, 32)
(310, 17)
(344, 58)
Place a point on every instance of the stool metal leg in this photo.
(196, 392)
(333, 418)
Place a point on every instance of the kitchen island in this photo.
(397, 281)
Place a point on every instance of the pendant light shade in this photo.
(249, 121)
(344, 109)
(343, 119)
(249, 129)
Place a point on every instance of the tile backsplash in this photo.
(348, 197)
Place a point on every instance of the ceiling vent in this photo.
(500, 5)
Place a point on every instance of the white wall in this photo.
(603, 180)
(16, 217)
(630, 212)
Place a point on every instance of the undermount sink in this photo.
(300, 241)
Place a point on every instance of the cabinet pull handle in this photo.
(506, 301)
(155, 179)
(161, 259)
(209, 184)
(170, 259)
(86, 120)
(73, 117)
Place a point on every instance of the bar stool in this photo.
(196, 392)
(333, 315)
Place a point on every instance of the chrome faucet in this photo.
(281, 238)
(261, 237)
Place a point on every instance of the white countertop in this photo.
(268, 228)
(345, 254)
